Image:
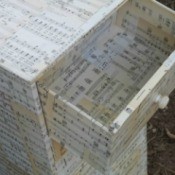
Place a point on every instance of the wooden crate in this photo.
(78, 82)
(24, 136)
(96, 104)
(132, 161)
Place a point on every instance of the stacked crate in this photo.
(73, 99)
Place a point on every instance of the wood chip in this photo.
(169, 134)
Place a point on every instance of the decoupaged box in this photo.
(33, 35)
(132, 161)
(111, 84)
(80, 75)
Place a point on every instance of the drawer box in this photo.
(100, 67)
(103, 97)
(33, 35)
(132, 161)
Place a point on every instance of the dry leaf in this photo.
(169, 134)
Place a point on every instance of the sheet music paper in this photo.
(38, 39)
(68, 71)
(100, 78)
(109, 74)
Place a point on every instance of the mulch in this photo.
(161, 134)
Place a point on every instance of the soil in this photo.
(161, 134)
(161, 144)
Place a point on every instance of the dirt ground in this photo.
(161, 141)
(169, 3)
(161, 135)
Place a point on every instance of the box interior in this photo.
(113, 69)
